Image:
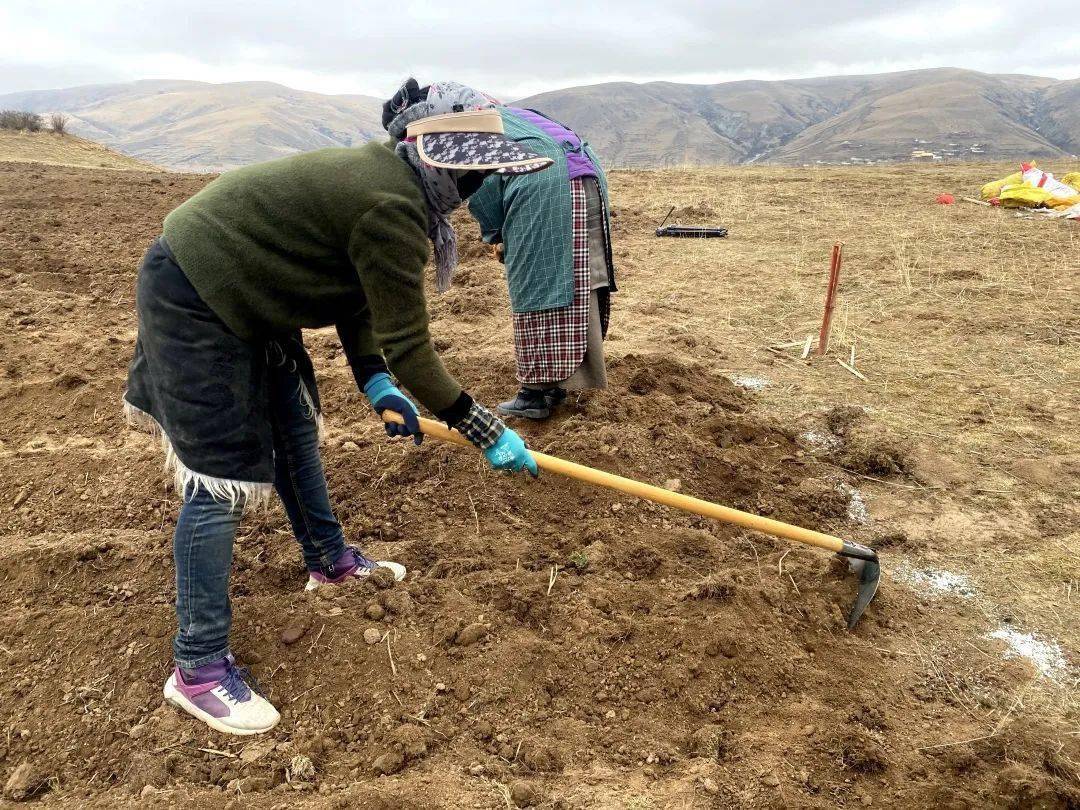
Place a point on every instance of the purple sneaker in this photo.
(218, 695)
(351, 564)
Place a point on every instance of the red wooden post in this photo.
(830, 299)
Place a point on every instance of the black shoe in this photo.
(529, 404)
(555, 397)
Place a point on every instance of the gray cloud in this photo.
(513, 49)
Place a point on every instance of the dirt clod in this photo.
(301, 768)
(381, 578)
(445, 630)
(524, 794)
(706, 742)
(410, 741)
(720, 587)
(294, 632)
(399, 602)
(23, 783)
(388, 763)
(541, 757)
(862, 752)
(471, 634)
(372, 635)
(871, 451)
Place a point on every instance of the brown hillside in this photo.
(1061, 115)
(197, 126)
(65, 150)
(954, 113)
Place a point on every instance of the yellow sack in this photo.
(1022, 196)
(991, 190)
(1063, 202)
(1016, 191)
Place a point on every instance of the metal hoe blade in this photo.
(863, 561)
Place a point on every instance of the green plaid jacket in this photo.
(531, 215)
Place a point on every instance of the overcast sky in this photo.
(516, 49)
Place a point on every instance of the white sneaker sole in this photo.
(174, 697)
(399, 571)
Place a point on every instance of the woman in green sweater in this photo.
(338, 237)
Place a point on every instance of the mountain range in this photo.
(198, 126)
(944, 113)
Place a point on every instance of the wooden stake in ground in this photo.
(830, 299)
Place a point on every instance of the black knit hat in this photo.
(410, 93)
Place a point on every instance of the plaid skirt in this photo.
(550, 344)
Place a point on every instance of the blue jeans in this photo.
(203, 541)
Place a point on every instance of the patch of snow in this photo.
(936, 580)
(824, 441)
(751, 383)
(856, 510)
(1045, 655)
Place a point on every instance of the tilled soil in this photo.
(554, 645)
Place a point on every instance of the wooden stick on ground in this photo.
(830, 299)
(852, 369)
(806, 347)
(791, 344)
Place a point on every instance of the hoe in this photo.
(862, 560)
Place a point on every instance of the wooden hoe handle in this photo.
(647, 491)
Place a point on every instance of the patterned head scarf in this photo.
(440, 185)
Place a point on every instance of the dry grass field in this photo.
(964, 319)
(559, 646)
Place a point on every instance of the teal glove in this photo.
(510, 453)
(385, 396)
(501, 446)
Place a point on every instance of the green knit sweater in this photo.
(333, 237)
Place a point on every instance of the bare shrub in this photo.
(58, 122)
(21, 119)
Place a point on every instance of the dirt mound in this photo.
(554, 644)
(860, 446)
